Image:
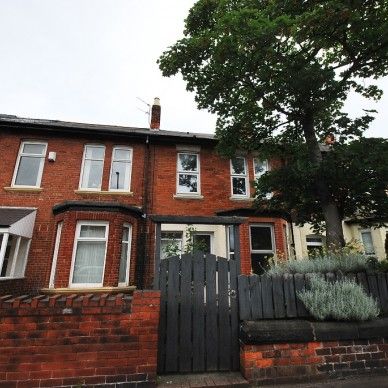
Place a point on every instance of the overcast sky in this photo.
(89, 60)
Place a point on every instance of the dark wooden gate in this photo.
(199, 314)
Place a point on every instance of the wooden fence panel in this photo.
(290, 296)
(275, 297)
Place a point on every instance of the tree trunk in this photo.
(334, 232)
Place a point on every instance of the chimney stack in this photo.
(155, 114)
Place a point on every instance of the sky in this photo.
(92, 60)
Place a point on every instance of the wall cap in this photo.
(291, 331)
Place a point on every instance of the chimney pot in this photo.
(155, 114)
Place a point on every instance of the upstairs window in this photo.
(29, 165)
(120, 173)
(239, 177)
(260, 167)
(188, 179)
(92, 167)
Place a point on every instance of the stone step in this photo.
(199, 380)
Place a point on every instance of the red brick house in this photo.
(87, 206)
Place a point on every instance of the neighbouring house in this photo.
(373, 240)
(85, 206)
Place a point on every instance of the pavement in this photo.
(348, 382)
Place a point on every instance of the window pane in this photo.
(120, 176)
(202, 243)
(22, 256)
(231, 238)
(122, 154)
(95, 231)
(172, 235)
(260, 262)
(170, 247)
(28, 171)
(261, 166)
(187, 162)
(126, 234)
(261, 238)
(238, 166)
(188, 183)
(92, 174)
(35, 149)
(368, 242)
(123, 261)
(239, 186)
(89, 262)
(95, 152)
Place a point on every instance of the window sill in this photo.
(75, 290)
(9, 278)
(188, 196)
(95, 192)
(23, 189)
(241, 199)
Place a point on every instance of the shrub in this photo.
(342, 300)
(322, 264)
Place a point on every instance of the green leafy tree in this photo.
(280, 71)
(356, 175)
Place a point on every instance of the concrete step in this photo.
(220, 379)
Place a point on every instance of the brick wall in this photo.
(276, 363)
(73, 340)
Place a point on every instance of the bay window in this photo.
(125, 258)
(262, 246)
(89, 254)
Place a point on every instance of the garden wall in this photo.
(107, 340)
(289, 351)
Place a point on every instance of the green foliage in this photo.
(342, 300)
(262, 65)
(279, 72)
(357, 175)
(328, 262)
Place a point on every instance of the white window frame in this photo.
(245, 176)
(257, 176)
(371, 237)
(263, 251)
(55, 254)
(129, 242)
(211, 234)
(130, 149)
(41, 166)
(83, 166)
(198, 173)
(76, 239)
(6, 237)
(182, 242)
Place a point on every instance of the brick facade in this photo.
(75, 340)
(153, 189)
(286, 362)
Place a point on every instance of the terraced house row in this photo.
(92, 207)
